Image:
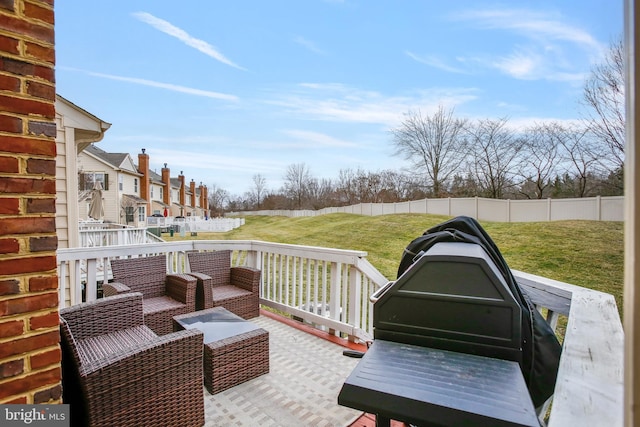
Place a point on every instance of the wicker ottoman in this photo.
(235, 350)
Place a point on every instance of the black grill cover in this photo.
(454, 298)
(540, 347)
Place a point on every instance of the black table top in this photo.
(216, 323)
(426, 386)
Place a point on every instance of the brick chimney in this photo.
(205, 205)
(166, 178)
(182, 188)
(201, 190)
(192, 188)
(145, 183)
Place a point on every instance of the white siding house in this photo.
(121, 187)
(76, 129)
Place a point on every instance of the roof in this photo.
(114, 159)
(155, 178)
(133, 198)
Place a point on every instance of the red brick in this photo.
(28, 303)
(43, 244)
(10, 124)
(42, 166)
(12, 328)
(46, 358)
(50, 320)
(9, 83)
(27, 265)
(9, 205)
(27, 185)
(27, 225)
(28, 145)
(12, 104)
(18, 401)
(46, 321)
(40, 90)
(41, 205)
(28, 344)
(9, 164)
(11, 368)
(9, 246)
(44, 396)
(8, 5)
(27, 69)
(40, 52)
(40, 32)
(9, 45)
(38, 12)
(30, 382)
(43, 283)
(42, 128)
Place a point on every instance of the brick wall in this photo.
(29, 339)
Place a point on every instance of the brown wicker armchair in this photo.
(118, 372)
(164, 295)
(219, 285)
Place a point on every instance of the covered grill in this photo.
(447, 347)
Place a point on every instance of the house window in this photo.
(142, 215)
(135, 185)
(151, 191)
(128, 211)
(87, 180)
(120, 182)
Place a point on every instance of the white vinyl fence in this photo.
(495, 210)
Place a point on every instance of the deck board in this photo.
(301, 389)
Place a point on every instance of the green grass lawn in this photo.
(583, 253)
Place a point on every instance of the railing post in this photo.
(335, 291)
(355, 294)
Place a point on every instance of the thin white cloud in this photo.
(309, 45)
(340, 103)
(433, 61)
(310, 139)
(167, 86)
(532, 24)
(549, 49)
(186, 38)
(180, 158)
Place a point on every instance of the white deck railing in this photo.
(330, 288)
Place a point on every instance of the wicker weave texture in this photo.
(219, 285)
(164, 295)
(123, 374)
(233, 360)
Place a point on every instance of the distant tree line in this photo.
(456, 157)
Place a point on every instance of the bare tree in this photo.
(217, 198)
(259, 186)
(296, 185)
(495, 151)
(604, 94)
(346, 186)
(434, 144)
(581, 155)
(541, 158)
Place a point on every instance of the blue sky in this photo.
(227, 90)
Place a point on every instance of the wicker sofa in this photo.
(164, 295)
(118, 372)
(219, 285)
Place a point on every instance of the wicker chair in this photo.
(164, 295)
(219, 285)
(117, 372)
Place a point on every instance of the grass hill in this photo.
(583, 253)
